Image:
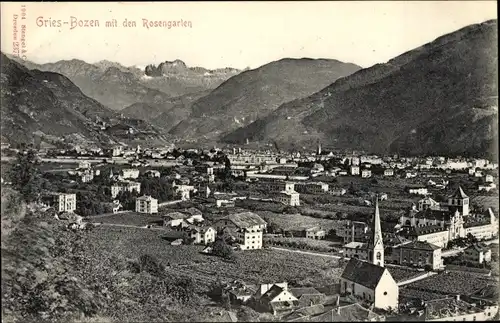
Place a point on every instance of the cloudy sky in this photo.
(234, 34)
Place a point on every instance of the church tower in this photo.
(318, 150)
(376, 246)
(459, 201)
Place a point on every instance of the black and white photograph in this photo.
(249, 161)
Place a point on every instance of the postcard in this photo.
(292, 161)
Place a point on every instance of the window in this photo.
(379, 255)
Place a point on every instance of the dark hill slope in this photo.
(439, 98)
(253, 94)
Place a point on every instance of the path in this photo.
(105, 215)
(169, 203)
(308, 253)
(128, 226)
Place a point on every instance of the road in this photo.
(105, 215)
(308, 253)
(169, 203)
(127, 226)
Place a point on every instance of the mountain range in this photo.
(48, 107)
(253, 94)
(440, 98)
(118, 87)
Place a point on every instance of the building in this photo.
(129, 173)
(455, 309)
(428, 203)
(354, 170)
(183, 191)
(275, 187)
(317, 168)
(486, 187)
(435, 235)
(366, 173)
(478, 253)
(315, 233)
(459, 200)
(417, 254)
(153, 173)
(175, 219)
(117, 151)
(357, 250)
(61, 202)
(389, 172)
(247, 227)
(146, 204)
(370, 283)
(311, 188)
(276, 298)
(373, 251)
(376, 244)
(418, 190)
(335, 191)
(288, 198)
(125, 186)
(352, 231)
(488, 179)
(202, 235)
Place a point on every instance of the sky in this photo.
(230, 34)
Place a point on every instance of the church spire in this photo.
(377, 244)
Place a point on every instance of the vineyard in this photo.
(400, 274)
(452, 283)
(129, 218)
(255, 266)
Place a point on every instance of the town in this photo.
(295, 236)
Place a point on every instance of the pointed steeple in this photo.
(377, 243)
(377, 228)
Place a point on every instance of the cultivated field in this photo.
(129, 218)
(256, 266)
(294, 221)
(452, 283)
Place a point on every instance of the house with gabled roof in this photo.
(246, 227)
(308, 296)
(478, 253)
(276, 299)
(370, 283)
(419, 254)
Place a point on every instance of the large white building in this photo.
(247, 228)
(125, 186)
(129, 173)
(311, 187)
(62, 202)
(146, 204)
(288, 198)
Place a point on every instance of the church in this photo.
(369, 280)
(439, 223)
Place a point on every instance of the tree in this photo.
(272, 227)
(221, 248)
(25, 176)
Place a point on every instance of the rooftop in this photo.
(420, 245)
(246, 219)
(363, 273)
(459, 193)
(356, 245)
(479, 247)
